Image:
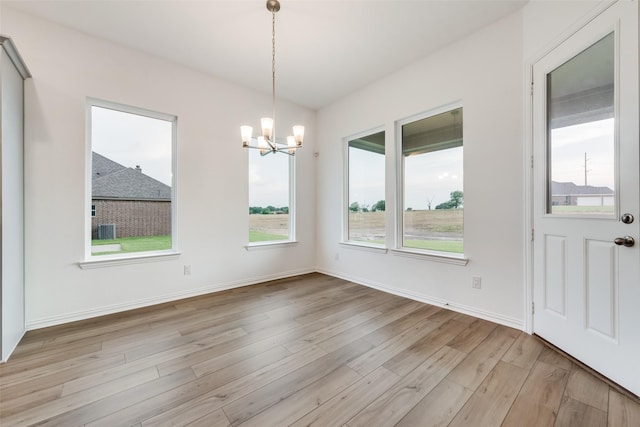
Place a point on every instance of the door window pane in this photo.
(433, 203)
(581, 133)
(366, 210)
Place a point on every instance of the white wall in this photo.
(485, 72)
(68, 66)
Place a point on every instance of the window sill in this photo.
(270, 245)
(364, 247)
(131, 259)
(432, 256)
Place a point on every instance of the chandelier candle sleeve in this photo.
(267, 143)
(267, 127)
(298, 134)
(246, 132)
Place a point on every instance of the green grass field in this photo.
(268, 228)
(261, 236)
(436, 245)
(583, 210)
(135, 244)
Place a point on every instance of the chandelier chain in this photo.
(273, 67)
(267, 142)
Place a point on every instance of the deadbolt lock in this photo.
(627, 218)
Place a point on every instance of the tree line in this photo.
(269, 210)
(455, 201)
(377, 206)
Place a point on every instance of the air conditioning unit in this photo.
(106, 231)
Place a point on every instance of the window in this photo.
(365, 199)
(432, 178)
(271, 211)
(582, 134)
(132, 180)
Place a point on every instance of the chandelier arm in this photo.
(289, 151)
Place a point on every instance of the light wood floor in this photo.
(311, 350)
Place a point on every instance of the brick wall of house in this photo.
(133, 218)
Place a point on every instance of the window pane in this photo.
(582, 133)
(433, 177)
(268, 197)
(131, 181)
(366, 189)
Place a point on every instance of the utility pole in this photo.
(585, 169)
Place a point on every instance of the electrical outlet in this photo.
(476, 282)
(187, 270)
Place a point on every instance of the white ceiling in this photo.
(324, 49)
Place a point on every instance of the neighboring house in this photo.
(136, 204)
(570, 194)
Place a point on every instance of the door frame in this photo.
(528, 153)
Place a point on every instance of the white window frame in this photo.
(292, 211)
(345, 192)
(91, 261)
(399, 249)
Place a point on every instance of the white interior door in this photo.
(586, 162)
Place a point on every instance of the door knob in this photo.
(627, 241)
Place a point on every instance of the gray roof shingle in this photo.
(111, 180)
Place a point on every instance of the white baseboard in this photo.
(460, 308)
(117, 308)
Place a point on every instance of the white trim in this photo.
(132, 258)
(270, 244)
(292, 223)
(460, 308)
(292, 198)
(14, 56)
(528, 199)
(136, 256)
(399, 237)
(364, 247)
(447, 258)
(345, 175)
(176, 296)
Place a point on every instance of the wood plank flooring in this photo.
(306, 351)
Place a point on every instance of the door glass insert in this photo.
(581, 133)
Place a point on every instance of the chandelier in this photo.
(267, 142)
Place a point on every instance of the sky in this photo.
(428, 177)
(366, 177)
(569, 145)
(432, 177)
(268, 179)
(132, 140)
